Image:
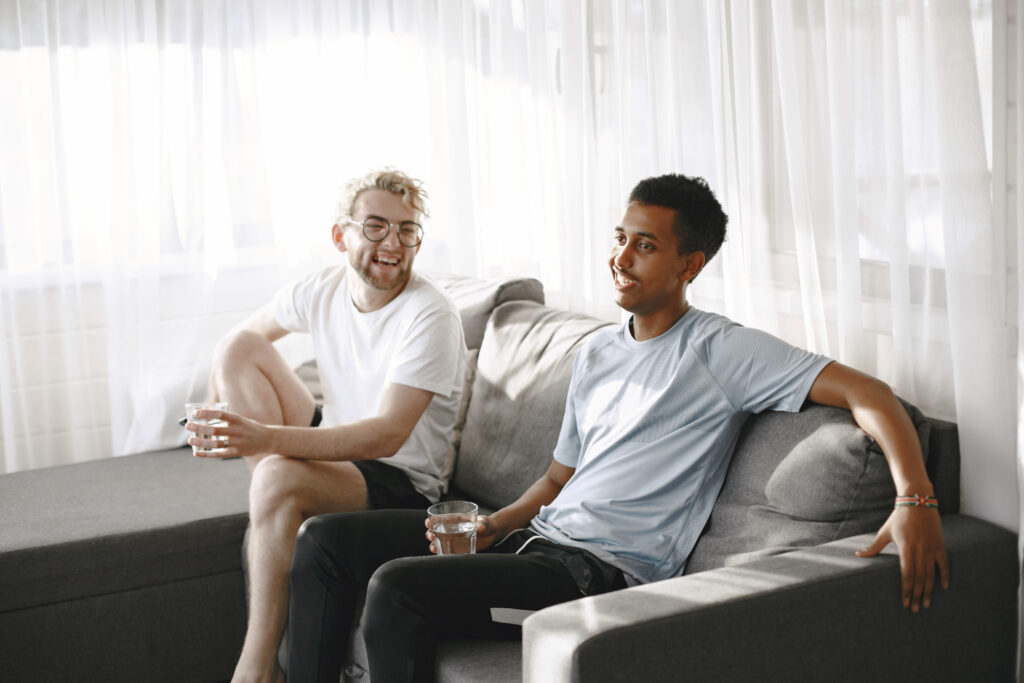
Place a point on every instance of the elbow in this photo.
(389, 443)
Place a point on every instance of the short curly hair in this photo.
(700, 221)
(414, 195)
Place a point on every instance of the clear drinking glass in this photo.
(190, 410)
(453, 523)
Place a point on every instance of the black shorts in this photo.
(386, 486)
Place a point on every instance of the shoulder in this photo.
(600, 349)
(709, 331)
(424, 294)
(326, 279)
(707, 324)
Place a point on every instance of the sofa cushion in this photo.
(118, 524)
(476, 298)
(515, 413)
(798, 480)
(455, 440)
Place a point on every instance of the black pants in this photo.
(411, 595)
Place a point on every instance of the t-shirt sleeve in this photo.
(759, 371)
(293, 302)
(430, 354)
(569, 447)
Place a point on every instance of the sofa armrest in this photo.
(815, 614)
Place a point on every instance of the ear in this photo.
(691, 265)
(338, 237)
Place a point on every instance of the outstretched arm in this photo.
(916, 531)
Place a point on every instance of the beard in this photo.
(378, 276)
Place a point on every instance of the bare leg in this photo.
(255, 380)
(284, 493)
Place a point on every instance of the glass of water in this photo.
(453, 523)
(190, 410)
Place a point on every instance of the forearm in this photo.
(518, 514)
(368, 439)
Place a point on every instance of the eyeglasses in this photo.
(376, 229)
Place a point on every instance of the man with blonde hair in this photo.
(390, 351)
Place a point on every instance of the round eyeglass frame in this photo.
(397, 226)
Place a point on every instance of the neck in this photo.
(653, 325)
(367, 298)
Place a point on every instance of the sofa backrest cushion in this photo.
(518, 399)
(476, 299)
(798, 480)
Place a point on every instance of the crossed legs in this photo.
(256, 381)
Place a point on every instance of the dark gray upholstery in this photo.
(477, 298)
(127, 568)
(797, 480)
(817, 614)
(518, 398)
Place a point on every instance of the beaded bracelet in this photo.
(917, 501)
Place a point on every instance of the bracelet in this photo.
(917, 501)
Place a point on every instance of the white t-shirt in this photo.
(650, 426)
(415, 340)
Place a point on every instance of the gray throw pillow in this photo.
(798, 480)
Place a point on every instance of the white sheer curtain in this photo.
(854, 150)
(164, 167)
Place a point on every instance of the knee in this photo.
(309, 548)
(275, 487)
(237, 347)
(393, 584)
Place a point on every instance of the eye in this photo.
(646, 246)
(619, 238)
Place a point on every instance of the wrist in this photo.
(273, 440)
(917, 500)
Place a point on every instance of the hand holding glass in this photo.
(453, 523)
(190, 410)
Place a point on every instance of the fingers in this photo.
(881, 540)
(906, 580)
(212, 414)
(928, 569)
(429, 535)
(219, 453)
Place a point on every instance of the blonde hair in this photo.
(414, 196)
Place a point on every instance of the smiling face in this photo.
(383, 267)
(648, 272)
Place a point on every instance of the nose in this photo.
(622, 255)
(391, 238)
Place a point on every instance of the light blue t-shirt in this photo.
(650, 426)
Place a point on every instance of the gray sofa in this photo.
(129, 569)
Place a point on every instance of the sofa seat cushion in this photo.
(798, 480)
(118, 524)
(518, 400)
(471, 660)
